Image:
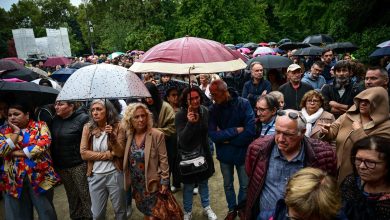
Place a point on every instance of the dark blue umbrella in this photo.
(63, 74)
(384, 51)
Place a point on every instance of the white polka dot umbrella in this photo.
(103, 81)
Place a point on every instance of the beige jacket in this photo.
(325, 117)
(115, 150)
(345, 136)
(156, 160)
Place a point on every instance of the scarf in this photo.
(311, 119)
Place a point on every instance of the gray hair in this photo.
(301, 127)
(112, 115)
(254, 63)
(221, 85)
(382, 71)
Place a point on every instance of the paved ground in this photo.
(217, 200)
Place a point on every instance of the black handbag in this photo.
(191, 162)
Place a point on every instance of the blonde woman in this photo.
(310, 194)
(145, 163)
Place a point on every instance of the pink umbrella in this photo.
(188, 55)
(263, 51)
(54, 61)
(244, 50)
(14, 80)
(263, 44)
(15, 59)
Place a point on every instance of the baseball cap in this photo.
(293, 67)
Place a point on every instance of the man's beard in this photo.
(314, 77)
(341, 81)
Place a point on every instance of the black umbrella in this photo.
(6, 65)
(342, 47)
(63, 74)
(27, 92)
(78, 65)
(271, 61)
(318, 39)
(23, 74)
(384, 51)
(293, 45)
(284, 40)
(251, 45)
(309, 51)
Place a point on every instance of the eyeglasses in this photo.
(261, 110)
(368, 163)
(291, 115)
(314, 101)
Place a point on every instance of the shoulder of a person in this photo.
(155, 132)
(319, 146)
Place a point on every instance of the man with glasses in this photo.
(232, 129)
(294, 89)
(266, 107)
(272, 160)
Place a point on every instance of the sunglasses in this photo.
(291, 115)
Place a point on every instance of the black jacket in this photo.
(66, 137)
(192, 135)
(293, 97)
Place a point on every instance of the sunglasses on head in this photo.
(291, 115)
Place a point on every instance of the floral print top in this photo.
(37, 166)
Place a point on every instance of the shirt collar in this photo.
(272, 121)
(277, 154)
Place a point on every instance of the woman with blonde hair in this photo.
(145, 163)
(310, 194)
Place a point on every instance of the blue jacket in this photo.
(316, 84)
(223, 121)
(252, 92)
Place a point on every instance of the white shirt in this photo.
(100, 145)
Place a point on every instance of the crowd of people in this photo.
(317, 147)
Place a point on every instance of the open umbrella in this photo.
(263, 51)
(284, 40)
(272, 61)
(342, 47)
(15, 59)
(231, 46)
(42, 73)
(188, 55)
(63, 74)
(318, 39)
(78, 65)
(53, 83)
(103, 81)
(54, 61)
(28, 92)
(115, 55)
(384, 51)
(251, 45)
(309, 51)
(384, 44)
(264, 44)
(244, 50)
(23, 74)
(293, 45)
(6, 65)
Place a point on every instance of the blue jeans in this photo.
(228, 180)
(188, 194)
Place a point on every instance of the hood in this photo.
(379, 103)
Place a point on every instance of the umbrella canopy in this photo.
(263, 51)
(272, 43)
(251, 45)
(293, 45)
(13, 80)
(263, 44)
(197, 55)
(342, 47)
(384, 51)
(103, 81)
(272, 61)
(16, 60)
(231, 46)
(54, 61)
(115, 55)
(318, 39)
(244, 50)
(239, 45)
(44, 74)
(309, 51)
(6, 65)
(28, 92)
(23, 74)
(53, 83)
(284, 40)
(384, 44)
(78, 65)
(62, 74)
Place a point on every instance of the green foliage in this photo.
(145, 39)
